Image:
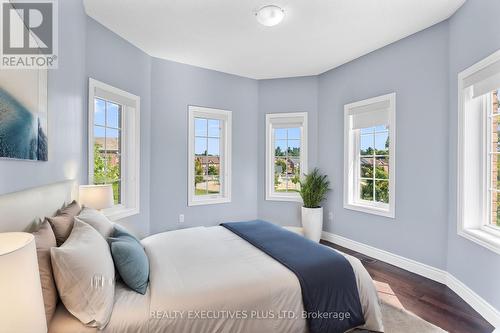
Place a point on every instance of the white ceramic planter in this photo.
(312, 222)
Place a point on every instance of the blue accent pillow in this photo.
(130, 259)
(119, 231)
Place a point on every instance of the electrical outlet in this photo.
(181, 218)
(330, 216)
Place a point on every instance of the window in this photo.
(114, 145)
(479, 153)
(369, 181)
(209, 156)
(286, 155)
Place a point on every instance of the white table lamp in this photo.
(21, 299)
(96, 196)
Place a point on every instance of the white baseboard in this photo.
(485, 309)
(478, 303)
(388, 257)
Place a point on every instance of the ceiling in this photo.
(315, 35)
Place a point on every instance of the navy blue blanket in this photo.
(329, 290)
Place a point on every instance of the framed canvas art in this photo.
(23, 114)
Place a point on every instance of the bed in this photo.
(205, 279)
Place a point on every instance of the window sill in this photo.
(370, 209)
(120, 212)
(282, 197)
(484, 238)
(213, 201)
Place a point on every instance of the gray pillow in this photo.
(97, 220)
(62, 223)
(130, 259)
(44, 240)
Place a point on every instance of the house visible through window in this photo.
(286, 155)
(493, 110)
(287, 172)
(478, 173)
(369, 181)
(108, 145)
(114, 145)
(209, 156)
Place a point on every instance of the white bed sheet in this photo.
(207, 279)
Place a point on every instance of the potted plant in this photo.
(313, 190)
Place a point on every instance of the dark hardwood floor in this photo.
(430, 300)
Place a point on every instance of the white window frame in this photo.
(352, 158)
(283, 119)
(225, 155)
(130, 146)
(473, 198)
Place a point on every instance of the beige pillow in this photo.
(44, 240)
(96, 219)
(62, 223)
(85, 275)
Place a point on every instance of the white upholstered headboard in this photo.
(19, 210)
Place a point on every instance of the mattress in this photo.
(207, 279)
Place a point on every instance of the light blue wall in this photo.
(166, 89)
(115, 61)
(282, 96)
(66, 86)
(474, 35)
(174, 86)
(415, 68)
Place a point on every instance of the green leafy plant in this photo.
(314, 188)
(106, 171)
(281, 164)
(199, 172)
(212, 170)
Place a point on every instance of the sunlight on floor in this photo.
(387, 295)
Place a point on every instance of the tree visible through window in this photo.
(374, 164)
(207, 156)
(287, 159)
(107, 145)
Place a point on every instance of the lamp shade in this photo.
(96, 196)
(21, 300)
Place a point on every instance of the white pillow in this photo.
(97, 220)
(85, 275)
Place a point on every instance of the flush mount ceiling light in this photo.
(270, 15)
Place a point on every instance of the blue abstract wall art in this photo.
(23, 126)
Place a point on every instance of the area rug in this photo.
(398, 320)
